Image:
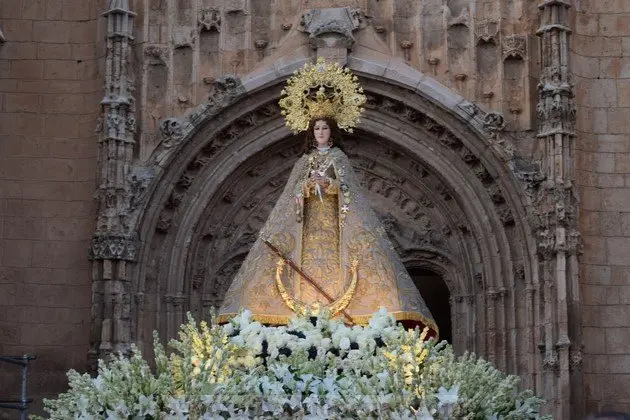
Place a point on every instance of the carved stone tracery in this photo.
(209, 20)
(426, 220)
(514, 46)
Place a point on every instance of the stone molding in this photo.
(112, 247)
(175, 175)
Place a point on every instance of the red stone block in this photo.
(7, 294)
(26, 69)
(84, 51)
(10, 189)
(54, 51)
(20, 169)
(81, 32)
(22, 102)
(11, 9)
(19, 51)
(63, 104)
(55, 32)
(61, 254)
(34, 9)
(18, 30)
(61, 70)
(17, 253)
(75, 10)
(23, 228)
(16, 146)
(61, 126)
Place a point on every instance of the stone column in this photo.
(113, 245)
(558, 236)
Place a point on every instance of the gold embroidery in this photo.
(320, 249)
(323, 246)
(335, 307)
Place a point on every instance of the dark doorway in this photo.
(436, 295)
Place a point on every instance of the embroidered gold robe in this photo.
(332, 228)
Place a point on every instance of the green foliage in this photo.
(312, 368)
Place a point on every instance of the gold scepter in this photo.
(307, 278)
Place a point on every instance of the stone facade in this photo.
(51, 77)
(495, 147)
(601, 68)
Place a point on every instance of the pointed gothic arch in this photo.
(431, 161)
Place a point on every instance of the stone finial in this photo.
(330, 31)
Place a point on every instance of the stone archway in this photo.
(447, 196)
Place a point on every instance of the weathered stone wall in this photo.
(486, 51)
(601, 65)
(50, 88)
(51, 82)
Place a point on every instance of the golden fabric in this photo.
(320, 250)
(333, 227)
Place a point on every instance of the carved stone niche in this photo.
(330, 31)
(209, 20)
(487, 31)
(514, 46)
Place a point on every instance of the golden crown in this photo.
(322, 90)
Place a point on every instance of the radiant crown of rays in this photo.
(322, 90)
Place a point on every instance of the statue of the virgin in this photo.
(322, 247)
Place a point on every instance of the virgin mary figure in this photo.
(322, 247)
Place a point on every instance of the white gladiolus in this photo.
(245, 370)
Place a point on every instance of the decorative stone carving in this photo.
(209, 20)
(493, 122)
(556, 107)
(225, 90)
(487, 31)
(462, 19)
(475, 113)
(114, 247)
(514, 46)
(173, 131)
(529, 173)
(157, 52)
(261, 44)
(558, 237)
(575, 359)
(330, 30)
(183, 37)
(551, 362)
(139, 181)
(406, 47)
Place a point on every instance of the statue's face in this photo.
(321, 131)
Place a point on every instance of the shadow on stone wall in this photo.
(608, 415)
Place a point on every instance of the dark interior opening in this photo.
(436, 295)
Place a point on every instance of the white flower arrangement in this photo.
(313, 368)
